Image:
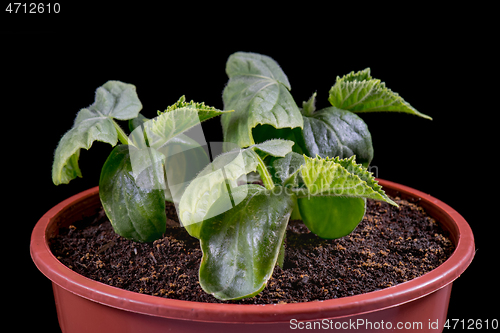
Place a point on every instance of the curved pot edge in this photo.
(210, 312)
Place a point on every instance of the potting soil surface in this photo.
(391, 245)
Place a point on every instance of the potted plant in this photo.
(306, 162)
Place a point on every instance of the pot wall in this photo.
(84, 305)
(78, 315)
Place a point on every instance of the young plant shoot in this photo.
(242, 228)
(132, 186)
(312, 164)
(314, 176)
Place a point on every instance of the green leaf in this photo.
(359, 92)
(184, 159)
(147, 167)
(331, 217)
(341, 185)
(114, 100)
(135, 212)
(285, 170)
(262, 133)
(184, 156)
(309, 107)
(258, 91)
(215, 182)
(340, 177)
(136, 122)
(241, 246)
(177, 119)
(275, 147)
(117, 100)
(219, 179)
(333, 132)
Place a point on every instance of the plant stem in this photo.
(281, 253)
(121, 134)
(264, 173)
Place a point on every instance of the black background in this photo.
(438, 61)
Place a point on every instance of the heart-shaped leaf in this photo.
(241, 246)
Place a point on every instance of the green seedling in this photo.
(312, 164)
(132, 185)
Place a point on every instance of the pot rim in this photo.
(436, 279)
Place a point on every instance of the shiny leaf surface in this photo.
(241, 246)
(331, 217)
(334, 132)
(135, 212)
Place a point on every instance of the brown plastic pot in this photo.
(84, 305)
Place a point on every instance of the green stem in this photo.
(281, 253)
(263, 172)
(121, 134)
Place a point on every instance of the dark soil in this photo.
(390, 246)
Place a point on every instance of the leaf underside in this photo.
(340, 177)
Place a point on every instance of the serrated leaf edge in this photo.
(181, 103)
(349, 166)
(352, 84)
